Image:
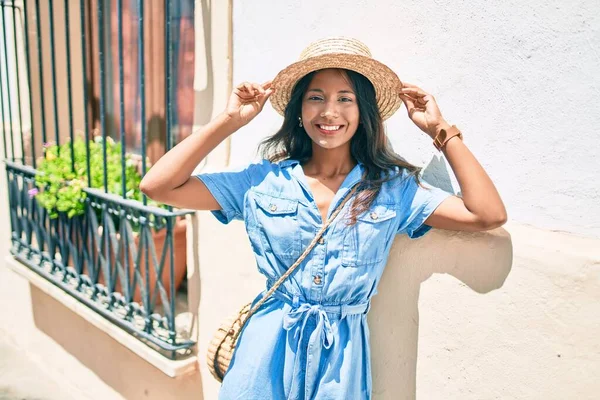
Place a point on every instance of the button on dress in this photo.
(310, 340)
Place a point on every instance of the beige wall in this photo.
(87, 362)
(453, 319)
(534, 338)
(511, 313)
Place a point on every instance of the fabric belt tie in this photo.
(321, 337)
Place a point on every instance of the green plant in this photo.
(61, 187)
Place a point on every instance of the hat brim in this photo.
(385, 81)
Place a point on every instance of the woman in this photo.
(310, 340)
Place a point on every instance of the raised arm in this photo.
(480, 207)
(169, 181)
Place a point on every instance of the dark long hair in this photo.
(369, 145)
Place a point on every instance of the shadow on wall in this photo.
(116, 365)
(482, 261)
(437, 174)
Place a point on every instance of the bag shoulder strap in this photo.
(308, 249)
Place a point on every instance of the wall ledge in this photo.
(171, 368)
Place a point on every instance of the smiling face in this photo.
(330, 110)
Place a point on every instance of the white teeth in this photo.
(330, 127)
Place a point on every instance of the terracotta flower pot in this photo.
(179, 256)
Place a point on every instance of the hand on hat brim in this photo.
(247, 90)
(247, 100)
(422, 108)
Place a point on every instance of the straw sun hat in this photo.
(340, 52)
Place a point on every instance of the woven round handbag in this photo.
(222, 345)
(224, 341)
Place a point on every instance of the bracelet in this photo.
(445, 135)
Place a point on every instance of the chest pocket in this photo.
(276, 225)
(365, 242)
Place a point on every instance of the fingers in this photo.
(254, 88)
(418, 101)
(414, 110)
(409, 85)
(408, 101)
(414, 100)
(247, 90)
(252, 91)
(254, 94)
(244, 91)
(417, 96)
(412, 104)
(413, 92)
(262, 100)
(416, 92)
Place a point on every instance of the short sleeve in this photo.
(417, 203)
(229, 188)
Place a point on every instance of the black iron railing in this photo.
(119, 255)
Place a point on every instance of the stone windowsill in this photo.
(171, 368)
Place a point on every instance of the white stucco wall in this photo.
(519, 78)
(507, 314)
(514, 315)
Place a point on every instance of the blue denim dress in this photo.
(311, 340)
